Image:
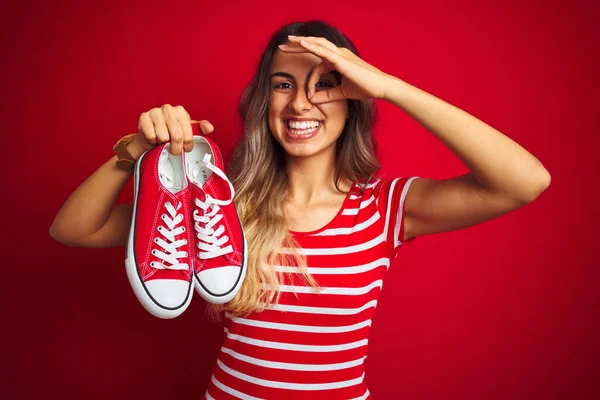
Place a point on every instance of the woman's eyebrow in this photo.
(282, 74)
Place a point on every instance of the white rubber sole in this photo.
(132, 269)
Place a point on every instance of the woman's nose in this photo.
(300, 101)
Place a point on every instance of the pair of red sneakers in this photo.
(185, 231)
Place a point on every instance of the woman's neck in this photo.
(312, 178)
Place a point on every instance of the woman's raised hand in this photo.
(360, 80)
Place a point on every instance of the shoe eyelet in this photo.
(152, 264)
(155, 240)
(183, 228)
(154, 252)
(185, 241)
(168, 203)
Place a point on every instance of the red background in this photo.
(504, 310)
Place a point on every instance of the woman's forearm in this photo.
(87, 209)
(498, 163)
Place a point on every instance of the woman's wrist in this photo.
(138, 146)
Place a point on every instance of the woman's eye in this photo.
(279, 85)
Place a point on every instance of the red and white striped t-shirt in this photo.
(313, 346)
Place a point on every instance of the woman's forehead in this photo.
(294, 63)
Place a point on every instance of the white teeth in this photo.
(303, 125)
(303, 131)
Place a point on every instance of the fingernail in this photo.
(292, 36)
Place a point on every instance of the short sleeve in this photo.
(394, 211)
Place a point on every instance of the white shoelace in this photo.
(210, 244)
(171, 246)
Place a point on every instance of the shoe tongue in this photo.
(199, 172)
(203, 177)
(166, 173)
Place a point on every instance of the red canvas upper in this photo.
(217, 188)
(152, 196)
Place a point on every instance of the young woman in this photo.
(321, 228)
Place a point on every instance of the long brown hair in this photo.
(257, 171)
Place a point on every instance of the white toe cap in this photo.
(220, 280)
(168, 292)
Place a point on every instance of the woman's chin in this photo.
(306, 149)
(300, 151)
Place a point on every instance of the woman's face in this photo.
(288, 103)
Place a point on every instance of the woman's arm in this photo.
(89, 217)
(503, 175)
(498, 164)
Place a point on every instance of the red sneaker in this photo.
(220, 249)
(158, 256)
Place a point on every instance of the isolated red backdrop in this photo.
(504, 310)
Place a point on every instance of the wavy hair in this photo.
(262, 190)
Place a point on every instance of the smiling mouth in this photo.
(300, 130)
